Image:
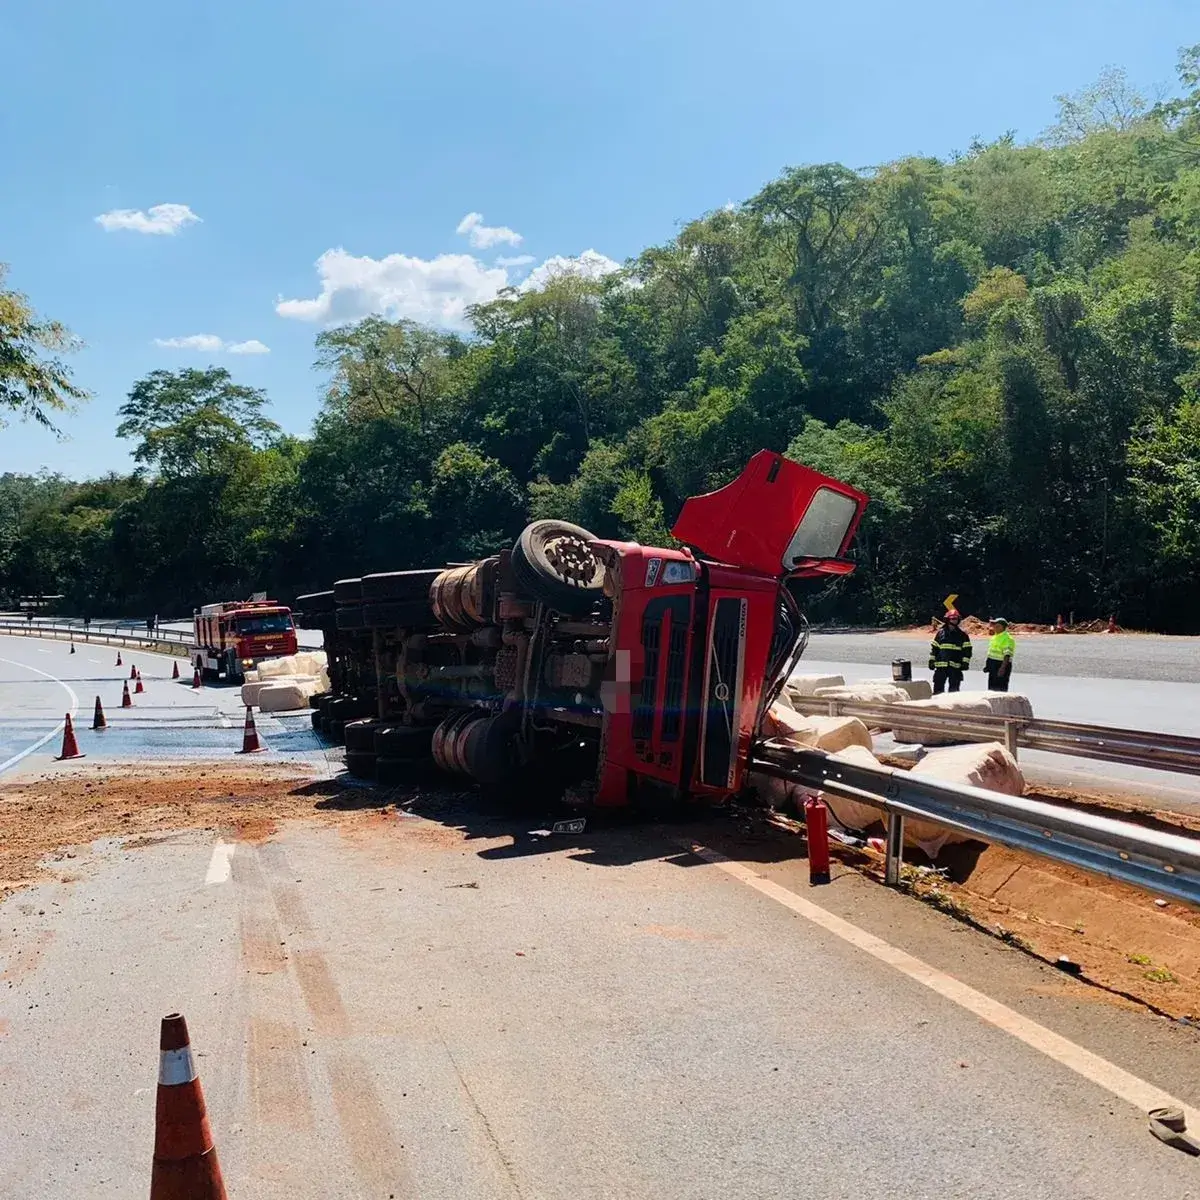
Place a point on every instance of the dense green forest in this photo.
(1002, 349)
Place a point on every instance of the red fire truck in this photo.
(233, 636)
(626, 672)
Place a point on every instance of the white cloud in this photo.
(434, 290)
(161, 218)
(517, 260)
(484, 237)
(209, 343)
(591, 264)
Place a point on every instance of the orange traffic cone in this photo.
(70, 747)
(98, 720)
(185, 1158)
(118, 658)
(132, 672)
(126, 699)
(250, 742)
(196, 681)
(175, 670)
(1112, 626)
(138, 690)
(72, 647)
(1060, 626)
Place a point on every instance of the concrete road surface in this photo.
(454, 1008)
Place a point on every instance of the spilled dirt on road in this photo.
(44, 818)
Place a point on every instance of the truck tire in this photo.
(315, 602)
(404, 742)
(347, 591)
(360, 735)
(335, 730)
(347, 708)
(398, 585)
(318, 720)
(553, 562)
(397, 614)
(361, 763)
(350, 617)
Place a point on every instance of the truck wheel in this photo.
(360, 735)
(361, 763)
(318, 720)
(398, 585)
(350, 617)
(397, 614)
(407, 742)
(553, 562)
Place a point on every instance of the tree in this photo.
(187, 421)
(33, 384)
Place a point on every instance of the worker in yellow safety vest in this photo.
(1001, 648)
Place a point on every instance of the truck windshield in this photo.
(267, 623)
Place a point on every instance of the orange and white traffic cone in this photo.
(70, 747)
(132, 672)
(1112, 625)
(126, 699)
(138, 690)
(98, 719)
(250, 742)
(196, 680)
(185, 1157)
(175, 670)
(1060, 626)
(118, 658)
(72, 647)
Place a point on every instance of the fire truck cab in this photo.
(232, 637)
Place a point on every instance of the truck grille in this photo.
(643, 715)
(673, 693)
(723, 693)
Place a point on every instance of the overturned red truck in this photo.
(621, 673)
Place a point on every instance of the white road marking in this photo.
(41, 650)
(94, 660)
(220, 865)
(16, 758)
(1137, 1092)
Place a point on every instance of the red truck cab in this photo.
(234, 636)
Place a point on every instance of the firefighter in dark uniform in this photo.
(950, 654)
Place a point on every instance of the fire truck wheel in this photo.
(360, 735)
(553, 562)
(361, 763)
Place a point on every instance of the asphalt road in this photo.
(1088, 656)
(40, 681)
(454, 1008)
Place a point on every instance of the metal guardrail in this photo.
(1165, 863)
(107, 634)
(1133, 747)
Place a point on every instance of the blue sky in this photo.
(361, 136)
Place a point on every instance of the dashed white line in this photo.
(220, 865)
(16, 758)
(1097, 1070)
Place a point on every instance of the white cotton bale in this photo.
(984, 765)
(806, 685)
(965, 704)
(818, 731)
(277, 668)
(852, 814)
(250, 691)
(914, 689)
(287, 695)
(864, 693)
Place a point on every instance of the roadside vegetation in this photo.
(1002, 349)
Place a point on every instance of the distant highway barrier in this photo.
(113, 633)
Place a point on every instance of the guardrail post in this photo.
(894, 858)
(1011, 734)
